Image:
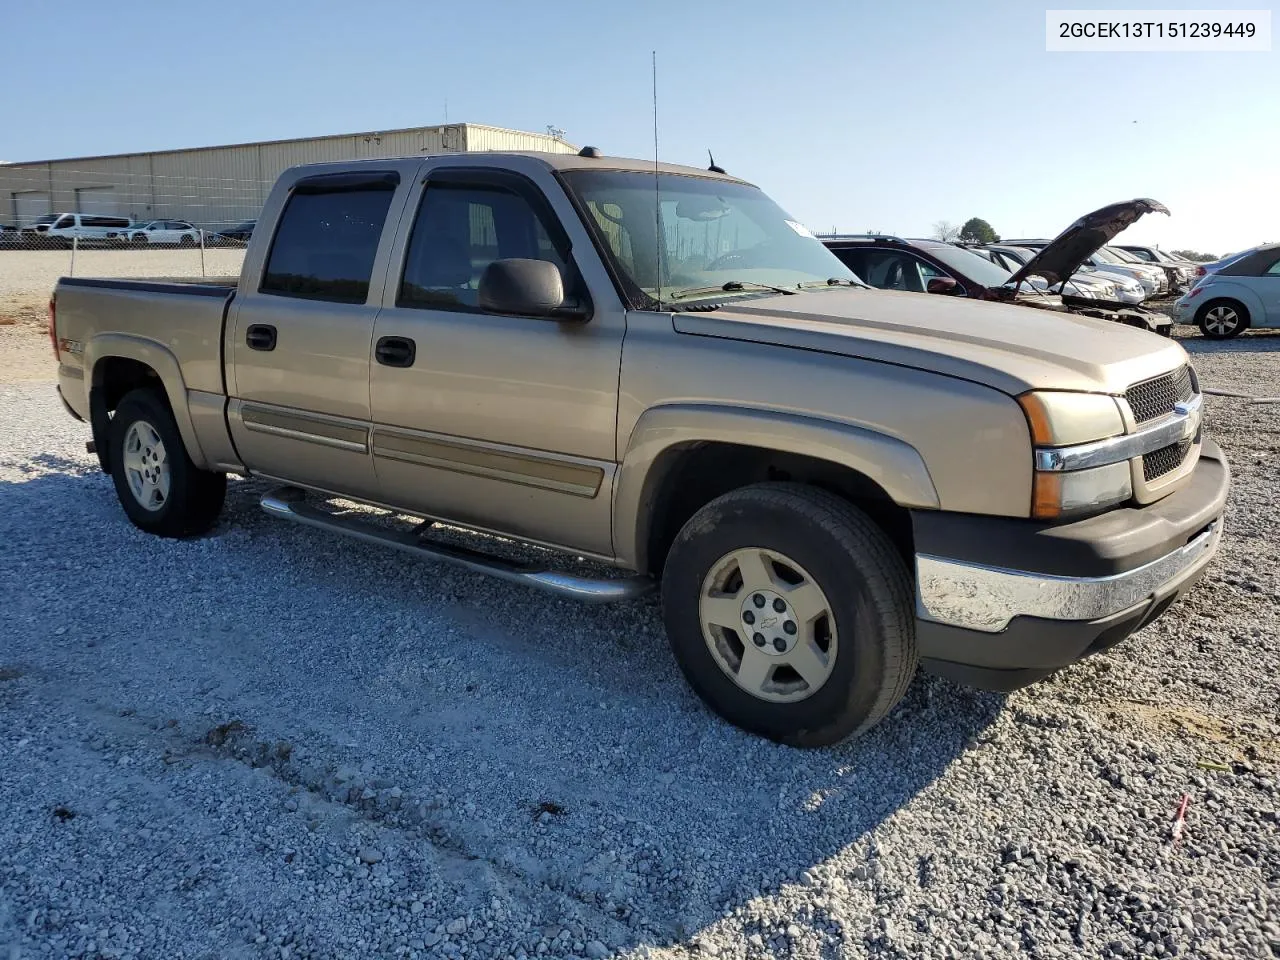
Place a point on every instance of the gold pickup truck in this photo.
(657, 368)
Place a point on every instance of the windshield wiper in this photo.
(835, 282)
(730, 286)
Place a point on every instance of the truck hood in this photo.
(1063, 255)
(1004, 346)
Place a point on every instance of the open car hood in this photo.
(1063, 256)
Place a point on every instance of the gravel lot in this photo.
(272, 743)
(28, 276)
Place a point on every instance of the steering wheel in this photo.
(726, 259)
(762, 252)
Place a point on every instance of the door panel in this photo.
(312, 388)
(300, 338)
(504, 423)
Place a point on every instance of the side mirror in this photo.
(529, 288)
(942, 285)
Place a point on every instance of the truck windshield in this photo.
(707, 238)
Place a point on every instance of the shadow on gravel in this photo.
(489, 706)
(1251, 341)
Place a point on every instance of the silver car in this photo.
(1241, 294)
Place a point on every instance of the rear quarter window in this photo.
(325, 245)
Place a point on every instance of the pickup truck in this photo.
(655, 369)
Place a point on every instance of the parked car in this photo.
(1081, 284)
(1186, 269)
(63, 228)
(934, 266)
(9, 233)
(1241, 294)
(830, 482)
(1204, 269)
(1172, 276)
(1151, 281)
(1109, 286)
(163, 233)
(237, 234)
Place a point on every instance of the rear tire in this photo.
(1222, 319)
(819, 553)
(160, 489)
(187, 240)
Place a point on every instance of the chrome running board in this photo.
(289, 503)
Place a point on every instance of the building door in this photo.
(99, 200)
(30, 205)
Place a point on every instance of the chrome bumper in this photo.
(976, 597)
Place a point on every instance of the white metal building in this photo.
(217, 186)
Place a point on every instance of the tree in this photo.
(977, 230)
(945, 231)
(1194, 256)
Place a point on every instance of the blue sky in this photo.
(857, 115)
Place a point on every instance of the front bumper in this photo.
(1004, 602)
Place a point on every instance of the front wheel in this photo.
(790, 613)
(160, 488)
(1222, 319)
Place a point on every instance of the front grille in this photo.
(1165, 460)
(1156, 397)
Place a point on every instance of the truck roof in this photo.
(554, 161)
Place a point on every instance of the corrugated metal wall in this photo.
(220, 186)
(481, 137)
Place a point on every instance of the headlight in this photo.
(1061, 419)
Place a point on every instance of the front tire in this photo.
(1222, 319)
(790, 613)
(160, 489)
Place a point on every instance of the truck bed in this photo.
(193, 286)
(182, 317)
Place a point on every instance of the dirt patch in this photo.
(1243, 739)
(25, 354)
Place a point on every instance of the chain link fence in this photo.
(118, 225)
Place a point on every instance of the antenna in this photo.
(657, 187)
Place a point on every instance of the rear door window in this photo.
(326, 243)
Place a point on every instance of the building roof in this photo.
(265, 143)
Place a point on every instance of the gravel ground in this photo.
(27, 277)
(272, 743)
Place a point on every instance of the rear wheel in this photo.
(790, 613)
(1222, 319)
(187, 240)
(158, 486)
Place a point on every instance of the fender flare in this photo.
(160, 359)
(894, 464)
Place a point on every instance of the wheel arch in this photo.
(682, 456)
(1238, 293)
(120, 362)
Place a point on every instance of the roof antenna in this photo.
(657, 187)
(713, 168)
